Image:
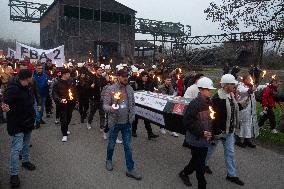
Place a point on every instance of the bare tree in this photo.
(253, 14)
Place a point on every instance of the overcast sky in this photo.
(188, 12)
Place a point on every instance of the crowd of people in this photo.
(229, 116)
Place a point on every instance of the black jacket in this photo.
(21, 116)
(100, 83)
(148, 86)
(61, 91)
(83, 88)
(197, 120)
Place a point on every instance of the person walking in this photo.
(224, 125)
(19, 105)
(120, 120)
(64, 95)
(197, 120)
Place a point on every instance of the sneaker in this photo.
(56, 121)
(89, 126)
(185, 179)
(235, 180)
(152, 136)
(105, 136)
(134, 134)
(29, 166)
(241, 144)
(118, 141)
(15, 181)
(251, 145)
(37, 125)
(174, 134)
(109, 166)
(42, 122)
(64, 139)
(68, 132)
(134, 174)
(208, 170)
(274, 131)
(163, 131)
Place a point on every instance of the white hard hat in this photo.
(154, 66)
(205, 83)
(141, 70)
(120, 68)
(107, 67)
(124, 65)
(228, 79)
(102, 65)
(134, 69)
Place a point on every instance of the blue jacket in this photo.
(42, 83)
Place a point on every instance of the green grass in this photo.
(265, 132)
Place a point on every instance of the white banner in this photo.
(56, 54)
(153, 116)
(11, 53)
(146, 99)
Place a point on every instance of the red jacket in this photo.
(268, 97)
(180, 87)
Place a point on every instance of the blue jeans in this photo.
(126, 137)
(40, 114)
(229, 153)
(20, 143)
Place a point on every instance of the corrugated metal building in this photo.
(104, 28)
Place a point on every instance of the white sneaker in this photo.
(174, 134)
(105, 136)
(68, 132)
(274, 131)
(89, 126)
(118, 141)
(163, 131)
(64, 139)
(56, 121)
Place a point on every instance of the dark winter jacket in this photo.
(61, 91)
(197, 120)
(148, 86)
(83, 88)
(20, 99)
(100, 83)
(42, 83)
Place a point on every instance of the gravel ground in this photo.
(80, 163)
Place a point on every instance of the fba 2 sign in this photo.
(56, 55)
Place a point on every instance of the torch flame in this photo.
(251, 81)
(117, 95)
(159, 79)
(51, 72)
(77, 73)
(263, 73)
(2, 70)
(274, 77)
(15, 65)
(110, 61)
(138, 74)
(212, 112)
(154, 76)
(163, 60)
(178, 76)
(111, 77)
(70, 94)
(180, 71)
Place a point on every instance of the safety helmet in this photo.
(228, 79)
(205, 83)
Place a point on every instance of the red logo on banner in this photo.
(178, 109)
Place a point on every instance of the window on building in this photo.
(71, 12)
(87, 14)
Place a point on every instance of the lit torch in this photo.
(77, 73)
(15, 65)
(251, 81)
(154, 76)
(178, 76)
(159, 79)
(117, 97)
(163, 60)
(212, 113)
(273, 77)
(263, 73)
(180, 71)
(110, 61)
(70, 94)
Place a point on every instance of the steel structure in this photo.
(26, 11)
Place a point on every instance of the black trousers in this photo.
(94, 107)
(83, 107)
(66, 116)
(58, 111)
(197, 164)
(146, 123)
(270, 116)
(48, 104)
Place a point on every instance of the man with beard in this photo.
(64, 95)
(119, 120)
(97, 84)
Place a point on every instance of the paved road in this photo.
(80, 162)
